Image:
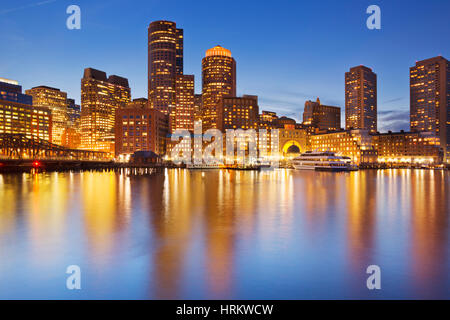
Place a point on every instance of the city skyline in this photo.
(301, 81)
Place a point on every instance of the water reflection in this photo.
(225, 234)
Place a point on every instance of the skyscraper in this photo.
(100, 97)
(183, 117)
(321, 116)
(56, 101)
(361, 99)
(218, 81)
(430, 99)
(165, 61)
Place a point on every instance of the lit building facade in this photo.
(165, 61)
(100, 99)
(361, 99)
(139, 128)
(408, 148)
(183, 116)
(56, 101)
(218, 81)
(356, 144)
(238, 113)
(322, 117)
(10, 90)
(20, 118)
(430, 99)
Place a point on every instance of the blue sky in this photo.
(286, 51)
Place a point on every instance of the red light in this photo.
(36, 164)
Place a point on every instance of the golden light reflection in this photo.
(99, 200)
(222, 206)
(429, 235)
(194, 228)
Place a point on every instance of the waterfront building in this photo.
(322, 117)
(139, 128)
(218, 81)
(165, 61)
(361, 99)
(56, 101)
(100, 99)
(19, 116)
(408, 148)
(10, 90)
(356, 144)
(239, 113)
(430, 99)
(183, 115)
(293, 140)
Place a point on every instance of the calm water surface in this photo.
(279, 234)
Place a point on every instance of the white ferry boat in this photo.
(323, 161)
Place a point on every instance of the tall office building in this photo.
(184, 112)
(165, 61)
(56, 101)
(430, 99)
(218, 81)
(100, 98)
(361, 99)
(321, 116)
(19, 116)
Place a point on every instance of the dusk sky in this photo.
(286, 51)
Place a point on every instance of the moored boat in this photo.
(323, 161)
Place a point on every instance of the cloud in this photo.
(393, 100)
(393, 120)
(31, 5)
